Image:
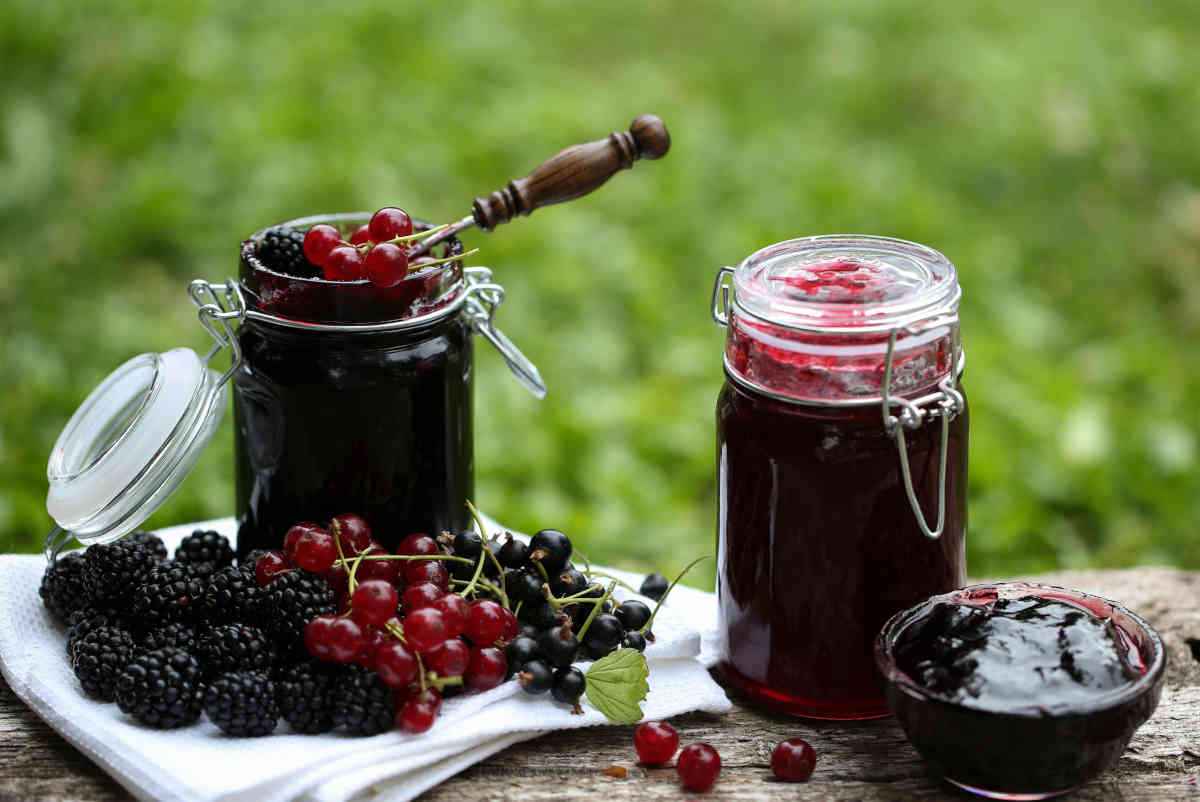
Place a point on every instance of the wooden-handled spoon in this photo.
(569, 174)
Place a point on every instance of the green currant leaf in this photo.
(616, 685)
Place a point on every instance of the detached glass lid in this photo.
(134, 439)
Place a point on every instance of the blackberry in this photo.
(99, 658)
(305, 693)
(282, 250)
(292, 600)
(112, 571)
(177, 634)
(206, 551)
(169, 592)
(161, 689)
(362, 703)
(62, 588)
(87, 619)
(242, 704)
(232, 595)
(234, 647)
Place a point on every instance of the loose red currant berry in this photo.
(353, 532)
(424, 629)
(486, 669)
(418, 545)
(269, 566)
(293, 536)
(387, 570)
(485, 622)
(344, 263)
(345, 640)
(315, 551)
(361, 235)
(374, 602)
(373, 640)
(319, 242)
(419, 713)
(424, 594)
(387, 265)
(454, 610)
(655, 742)
(449, 658)
(698, 767)
(317, 635)
(395, 664)
(431, 571)
(793, 760)
(390, 222)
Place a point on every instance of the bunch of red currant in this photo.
(377, 251)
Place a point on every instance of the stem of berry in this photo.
(402, 557)
(415, 266)
(442, 682)
(618, 580)
(542, 570)
(595, 611)
(397, 630)
(563, 601)
(353, 569)
(470, 588)
(646, 627)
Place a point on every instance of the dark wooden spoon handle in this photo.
(574, 172)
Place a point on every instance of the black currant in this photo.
(523, 585)
(632, 614)
(605, 631)
(468, 545)
(540, 614)
(530, 631)
(654, 586)
(512, 553)
(559, 646)
(520, 651)
(569, 685)
(552, 549)
(634, 640)
(568, 582)
(535, 677)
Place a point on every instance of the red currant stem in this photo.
(396, 629)
(442, 682)
(337, 541)
(497, 591)
(650, 621)
(415, 266)
(618, 580)
(419, 235)
(404, 557)
(595, 611)
(420, 669)
(352, 584)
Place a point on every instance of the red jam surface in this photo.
(818, 545)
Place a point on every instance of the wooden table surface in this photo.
(863, 761)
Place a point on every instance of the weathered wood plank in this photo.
(866, 761)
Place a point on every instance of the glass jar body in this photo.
(818, 546)
(375, 423)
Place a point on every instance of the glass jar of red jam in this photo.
(841, 463)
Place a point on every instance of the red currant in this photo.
(454, 610)
(373, 640)
(344, 263)
(387, 265)
(361, 235)
(316, 637)
(698, 767)
(486, 669)
(512, 627)
(353, 533)
(418, 545)
(269, 566)
(793, 760)
(345, 640)
(395, 664)
(315, 551)
(319, 242)
(431, 571)
(293, 536)
(387, 570)
(417, 714)
(655, 742)
(374, 602)
(424, 594)
(485, 622)
(390, 222)
(448, 659)
(424, 629)
(339, 579)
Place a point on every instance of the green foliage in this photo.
(1051, 154)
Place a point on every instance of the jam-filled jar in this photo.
(841, 462)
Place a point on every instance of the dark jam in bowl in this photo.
(1018, 690)
(373, 422)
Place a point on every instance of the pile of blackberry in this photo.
(392, 634)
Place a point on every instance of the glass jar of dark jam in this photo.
(354, 398)
(841, 463)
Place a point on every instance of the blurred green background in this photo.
(1054, 155)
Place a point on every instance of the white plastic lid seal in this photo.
(131, 443)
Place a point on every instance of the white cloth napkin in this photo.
(199, 764)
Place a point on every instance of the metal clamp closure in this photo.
(720, 296)
(947, 404)
(483, 297)
(218, 306)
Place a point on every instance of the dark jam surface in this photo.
(1018, 653)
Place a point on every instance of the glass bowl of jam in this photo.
(1017, 690)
